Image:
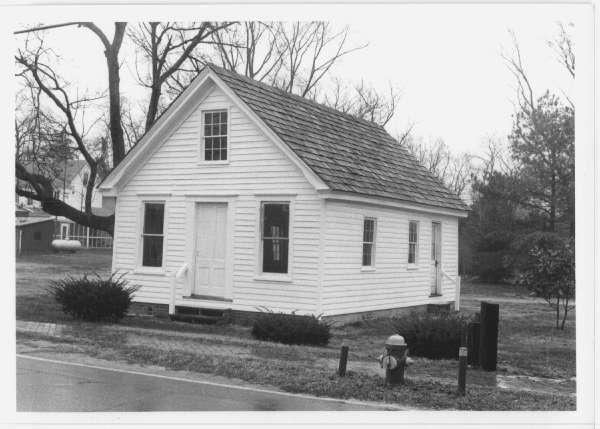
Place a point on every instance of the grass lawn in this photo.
(34, 272)
(528, 346)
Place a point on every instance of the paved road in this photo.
(45, 385)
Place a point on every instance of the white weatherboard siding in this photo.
(347, 288)
(256, 167)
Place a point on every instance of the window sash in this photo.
(368, 242)
(275, 239)
(412, 253)
(215, 135)
(413, 240)
(153, 235)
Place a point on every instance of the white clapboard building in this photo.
(243, 197)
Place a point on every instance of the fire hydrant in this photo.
(395, 359)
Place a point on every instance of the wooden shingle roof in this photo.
(348, 154)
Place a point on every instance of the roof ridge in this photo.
(213, 66)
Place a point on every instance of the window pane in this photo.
(207, 129)
(215, 129)
(275, 237)
(152, 256)
(276, 219)
(153, 218)
(412, 232)
(412, 253)
(223, 142)
(223, 129)
(224, 117)
(367, 254)
(224, 154)
(208, 155)
(369, 227)
(275, 255)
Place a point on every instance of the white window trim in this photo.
(275, 277)
(201, 160)
(140, 269)
(413, 265)
(372, 267)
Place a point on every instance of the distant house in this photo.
(70, 186)
(259, 198)
(33, 234)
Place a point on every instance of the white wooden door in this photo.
(436, 258)
(210, 253)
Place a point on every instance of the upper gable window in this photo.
(215, 135)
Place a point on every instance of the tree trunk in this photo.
(60, 208)
(116, 129)
(557, 312)
(553, 204)
(153, 105)
(565, 311)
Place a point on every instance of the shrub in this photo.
(93, 299)
(431, 335)
(548, 270)
(291, 329)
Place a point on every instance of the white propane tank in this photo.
(66, 245)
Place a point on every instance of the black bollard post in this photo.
(343, 361)
(488, 342)
(462, 371)
(473, 344)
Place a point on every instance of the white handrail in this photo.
(445, 274)
(182, 271)
(176, 276)
(456, 281)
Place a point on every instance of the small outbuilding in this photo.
(33, 234)
(257, 198)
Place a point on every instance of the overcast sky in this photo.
(445, 60)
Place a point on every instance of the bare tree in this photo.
(363, 101)
(565, 53)
(525, 96)
(166, 48)
(453, 170)
(563, 47)
(252, 48)
(293, 56)
(41, 80)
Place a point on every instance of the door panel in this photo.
(436, 258)
(211, 245)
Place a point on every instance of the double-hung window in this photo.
(275, 237)
(413, 240)
(153, 234)
(368, 246)
(215, 135)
